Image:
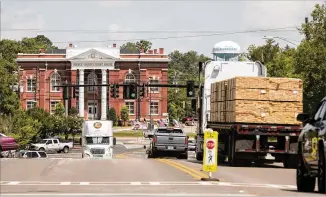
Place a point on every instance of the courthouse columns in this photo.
(104, 95)
(81, 93)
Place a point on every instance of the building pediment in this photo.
(93, 55)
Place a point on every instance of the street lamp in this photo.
(281, 38)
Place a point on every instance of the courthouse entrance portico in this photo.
(88, 62)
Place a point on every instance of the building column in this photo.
(81, 93)
(103, 95)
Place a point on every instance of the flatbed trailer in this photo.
(249, 142)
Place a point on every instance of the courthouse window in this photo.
(131, 107)
(92, 80)
(130, 78)
(31, 85)
(30, 104)
(154, 81)
(154, 107)
(55, 81)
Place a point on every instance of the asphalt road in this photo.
(130, 173)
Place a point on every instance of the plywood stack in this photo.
(256, 100)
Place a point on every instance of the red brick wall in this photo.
(44, 95)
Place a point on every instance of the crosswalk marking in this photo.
(13, 183)
(65, 183)
(135, 183)
(189, 183)
(154, 183)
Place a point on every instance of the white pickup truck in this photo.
(52, 145)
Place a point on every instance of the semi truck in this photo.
(97, 139)
(243, 143)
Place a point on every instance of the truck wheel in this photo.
(304, 183)
(199, 157)
(41, 149)
(321, 172)
(66, 149)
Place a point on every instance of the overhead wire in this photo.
(281, 29)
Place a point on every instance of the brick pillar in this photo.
(164, 93)
(41, 89)
(73, 80)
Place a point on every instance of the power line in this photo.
(164, 0)
(117, 32)
(176, 37)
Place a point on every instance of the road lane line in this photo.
(180, 168)
(13, 183)
(65, 183)
(84, 183)
(205, 183)
(135, 183)
(200, 174)
(154, 183)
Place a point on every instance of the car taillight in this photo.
(154, 139)
(187, 140)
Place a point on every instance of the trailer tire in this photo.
(321, 171)
(304, 183)
(199, 157)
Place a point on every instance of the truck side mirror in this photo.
(302, 117)
(114, 141)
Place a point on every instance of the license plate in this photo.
(170, 148)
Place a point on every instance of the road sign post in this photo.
(210, 154)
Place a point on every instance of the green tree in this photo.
(136, 47)
(24, 128)
(73, 111)
(182, 67)
(112, 115)
(9, 101)
(310, 59)
(124, 113)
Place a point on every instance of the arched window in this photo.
(55, 80)
(92, 80)
(130, 78)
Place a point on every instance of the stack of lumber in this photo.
(256, 100)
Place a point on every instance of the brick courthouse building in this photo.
(39, 73)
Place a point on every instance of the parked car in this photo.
(52, 145)
(35, 154)
(7, 143)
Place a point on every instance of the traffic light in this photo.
(190, 89)
(133, 91)
(142, 91)
(130, 91)
(117, 91)
(114, 91)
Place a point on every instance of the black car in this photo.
(312, 151)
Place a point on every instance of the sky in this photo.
(183, 22)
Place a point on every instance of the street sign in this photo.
(210, 151)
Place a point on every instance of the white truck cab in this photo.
(97, 139)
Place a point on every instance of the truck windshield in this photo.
(98, 140)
